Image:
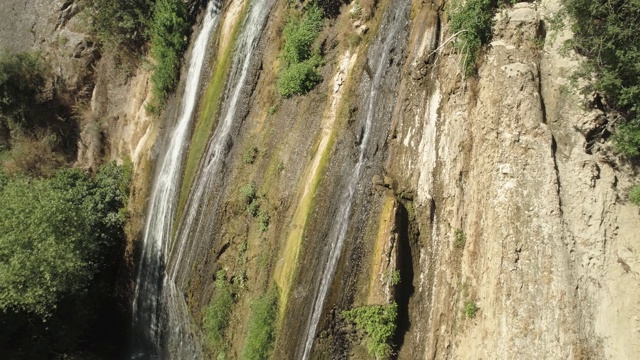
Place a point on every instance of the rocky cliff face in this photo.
(548, 236)
(488, 194)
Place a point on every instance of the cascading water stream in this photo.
(338, 232)
(197, 223)
(161, 210)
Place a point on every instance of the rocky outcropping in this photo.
(550, 256)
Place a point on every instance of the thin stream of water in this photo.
(338, 232)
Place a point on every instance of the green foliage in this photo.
(300, 78)
(217, 315)
(470, 309)
(472, 21)
(249, 195)
(392, 277)
(378, 323)
(263, 220)
(21, 78)
(169, 39)
(119, 23)
(634, 195)
(262, 327)
(626, 137)
(460, 239)
(301, 60)
(606, 32)
(249, 157)
(54, 235)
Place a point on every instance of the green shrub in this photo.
(217, 315)
(301, 60)
(379, 324)
(248, 193)
(392, 277)
(634, 195)
(262, 327)
(300, 78)
(249, 157)
(119, 23)
(459, 238)
(472, 21)
(169, 39)
(21, 79)
(470, 309)
(263, 220)
(606, 33)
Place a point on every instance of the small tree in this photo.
(21, 79)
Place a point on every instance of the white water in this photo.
(157, 234)
(197, 223)
(338, 232)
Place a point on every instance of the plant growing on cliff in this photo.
(217, 315)
(460, 239)
(634, 195)
(606, 32)
(21, 79)
(262, 327)
(301, 60)
(379, 324)
(169, 39)
(119, 23)
(471, 22)
(470, 309)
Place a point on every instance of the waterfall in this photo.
(338, 231)
(197, 224)
(157, 233)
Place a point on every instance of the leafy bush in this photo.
(634, 195)
(606, 33)
(472, 21)
(21, 79)
(119, 23)
(55, 235)
(378, 323)
(218, 314)
(301, 61)
(262, 327)
(169, 40)
(300, 78)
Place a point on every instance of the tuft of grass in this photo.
(262, 329)
(249, 157)
(217, 316)
(634, 195)
(460, 239)
(379, 324)
(263, 220)
(470, 309)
